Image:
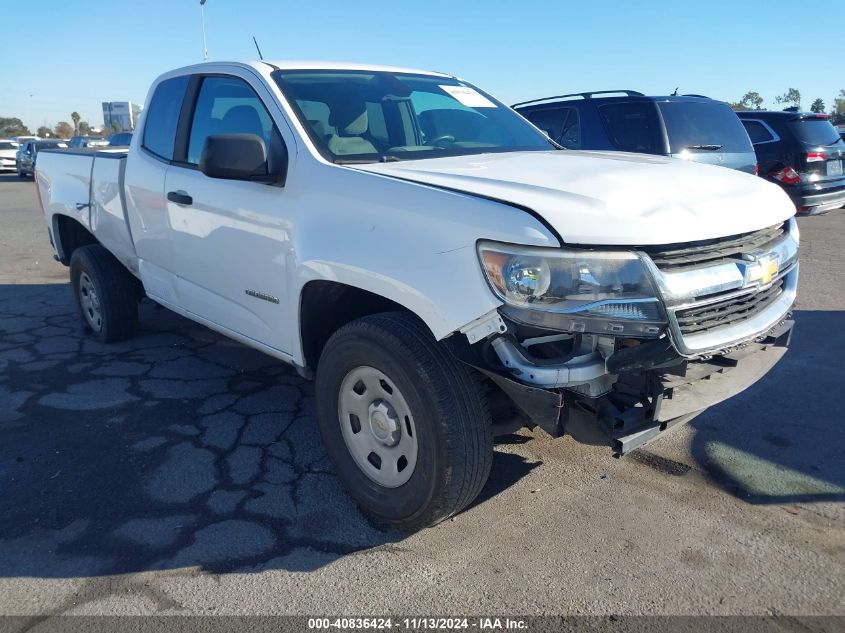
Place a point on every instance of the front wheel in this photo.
(405, 424)
(105, 293)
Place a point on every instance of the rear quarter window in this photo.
(162, 117)
(691, 125)
(632, 127)
(758, 132)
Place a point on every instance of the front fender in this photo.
(410, 243)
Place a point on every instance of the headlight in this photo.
(574, 289)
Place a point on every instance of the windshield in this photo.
(815, 131)
(703, 127)
(8, 145)
(363, 116)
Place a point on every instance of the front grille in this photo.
(715, 315)
(676, 256)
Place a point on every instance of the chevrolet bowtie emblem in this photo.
(764, 269)
(769, 271)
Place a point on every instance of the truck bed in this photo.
(88, 186)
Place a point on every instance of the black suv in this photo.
(803, 153)
(691, 126)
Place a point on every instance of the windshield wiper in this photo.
(706, 146)
(389, 158)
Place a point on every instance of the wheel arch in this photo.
(326, 306)
(68, 234)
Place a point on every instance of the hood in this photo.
(610, 198)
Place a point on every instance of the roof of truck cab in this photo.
(287, 64)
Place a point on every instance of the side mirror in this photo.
(237, 157)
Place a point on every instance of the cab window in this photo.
(227, 105)
(162, 117)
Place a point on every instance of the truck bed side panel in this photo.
(108, 217)
(63, 180)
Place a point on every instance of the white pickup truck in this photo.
(441, 268)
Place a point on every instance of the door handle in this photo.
(180, 197)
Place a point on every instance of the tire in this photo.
(21, 174)
(105, 293)
(447, 418)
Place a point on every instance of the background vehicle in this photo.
(691, 127)
(88, 141)
(802, 152)
(120, 139)
(841, 131)
(20, 140)
(442, 270)
(28, 153)
(8, 151)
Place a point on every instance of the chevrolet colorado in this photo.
(443, 269)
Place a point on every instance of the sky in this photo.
(64, 56)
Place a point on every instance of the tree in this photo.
(64, 129)
(84, 128)
(74, 116)
(12, 127)
(837, 112)
(791, 97)
(752, 100)
(44, 132)
(817, 107)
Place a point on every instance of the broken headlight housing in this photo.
(574, 290)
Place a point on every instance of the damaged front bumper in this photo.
(655, 390)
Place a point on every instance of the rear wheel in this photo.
(21, 174)
(405, 424)
(105, 293)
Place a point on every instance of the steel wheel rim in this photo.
(90, 303)
(377, 427)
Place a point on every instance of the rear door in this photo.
(230, 238)
(707, 132)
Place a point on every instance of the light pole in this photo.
(204, 43)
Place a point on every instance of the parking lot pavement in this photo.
(179, 472)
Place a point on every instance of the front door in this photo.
(229, 239)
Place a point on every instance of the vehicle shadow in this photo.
(10, 176)
(175, 449)
(780, 441)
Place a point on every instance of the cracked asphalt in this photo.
(181, 473)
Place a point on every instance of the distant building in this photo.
(120, 116)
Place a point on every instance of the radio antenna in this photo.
(260, 56)
(204, 42)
